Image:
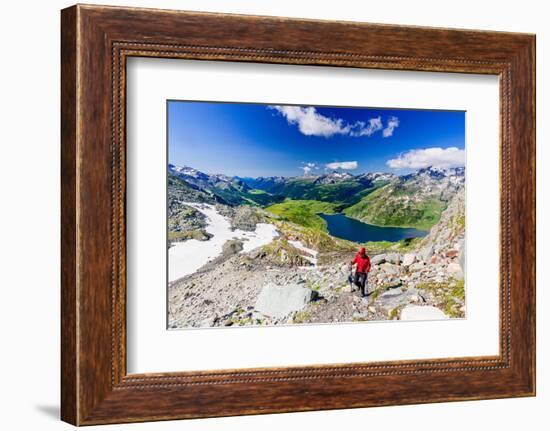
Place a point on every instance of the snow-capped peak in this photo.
(438, 172)
(184, 170)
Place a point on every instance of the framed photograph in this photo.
(285, 220)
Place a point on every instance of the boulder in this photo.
(417, 298)
(409, 259)
(391, 293)
(246, 217)
(390, 268)
(417, 266)
(231, 247)
(455, 270)
(378, 259)
(451, 253)
(426, 253)
(392, 283)
(393, 298)
(422, 312)
(279, 301)
(394, 258)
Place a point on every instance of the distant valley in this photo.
(383, 199)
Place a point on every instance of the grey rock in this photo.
(257, 253)
(391, 293)
(394, 258)
(232, 247)
(416, 266)
(455, 270)
(279, 301)
(426, 253)
(409, 259)
(390, 268)
(394, 298)
(246, 218)
(378, 259)
(393, 282)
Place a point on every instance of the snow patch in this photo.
(185, 258)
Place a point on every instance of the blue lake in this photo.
(348, 228)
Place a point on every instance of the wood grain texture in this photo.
(96, 41)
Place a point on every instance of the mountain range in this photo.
(413, 200)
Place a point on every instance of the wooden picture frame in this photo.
(96, 41)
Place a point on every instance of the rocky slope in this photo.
(185, 222)
(301, 276)
(305, 277)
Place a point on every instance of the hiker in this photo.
(361, 272)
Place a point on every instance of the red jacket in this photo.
(362, 261)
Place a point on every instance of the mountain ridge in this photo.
(334, 175)
(414, 199)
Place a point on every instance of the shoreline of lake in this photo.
(351, 229)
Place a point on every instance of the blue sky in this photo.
(251, 140)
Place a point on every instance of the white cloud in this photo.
(312, 123)
(437, 157)
(308, 167)
(342, 165)
(374, 125)
(393, 123)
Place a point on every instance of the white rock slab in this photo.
(311, 254)
(418, 312)
(279, 301)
